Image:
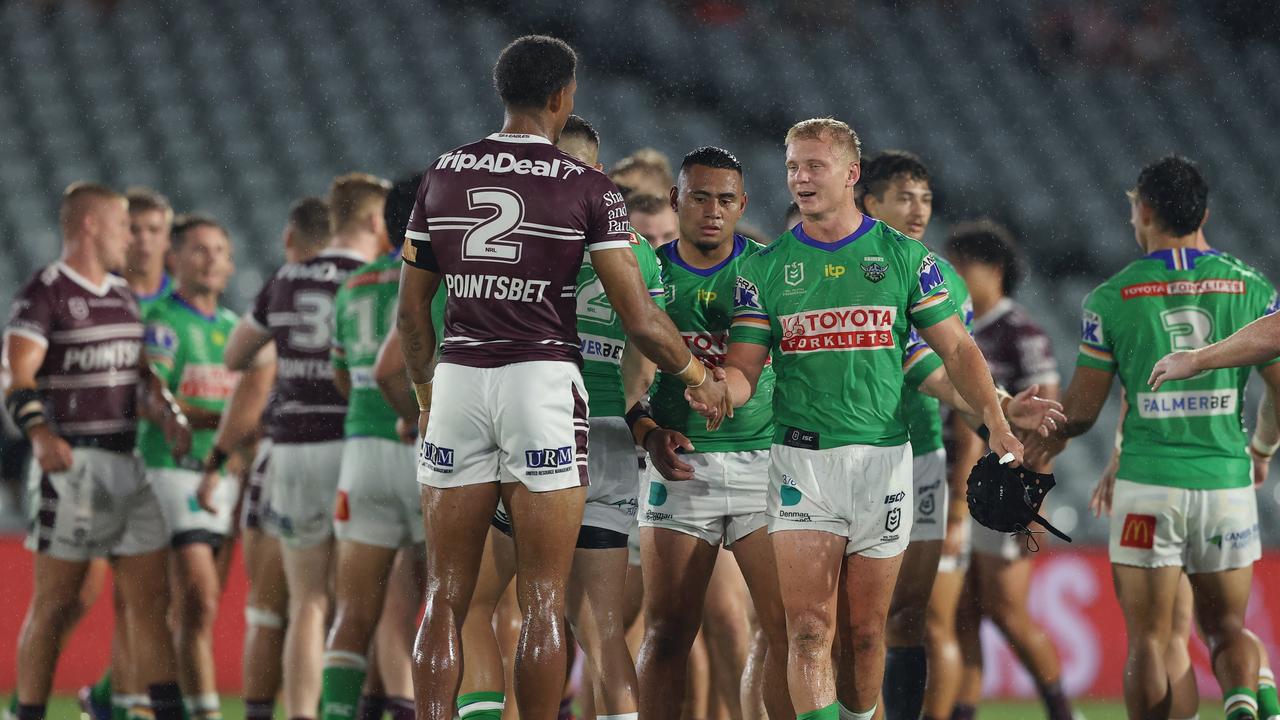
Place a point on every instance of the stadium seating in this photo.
(236, 107)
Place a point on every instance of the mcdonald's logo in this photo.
(342, 510)
(1139, 531)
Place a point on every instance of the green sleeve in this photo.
(651, 270)
(1095, 343)
(928, 298)
(437, 313)
(162, 347)
(1267, 292)
(751, 320)
(337, 351)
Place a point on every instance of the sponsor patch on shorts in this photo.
(1139, 531)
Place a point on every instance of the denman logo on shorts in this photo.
(1139, 531)
(439, 459)
(790, 495)
(862, 327)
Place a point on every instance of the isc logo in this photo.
(440, 457)
(706, 297)
(549, 457)
(833, 271)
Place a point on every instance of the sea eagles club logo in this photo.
(794, 274)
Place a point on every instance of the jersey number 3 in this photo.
(485, 240)
(1189, 328)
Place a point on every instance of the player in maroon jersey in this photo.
(78, 383)
(1020, 355)
(294, 311)
(504, 223)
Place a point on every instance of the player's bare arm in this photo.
(742, 367)
(1253, 344)
(22, 358)
(157, 404)
(389, 373)
(238, 425)
(1025, 411)
(243, 345)
(1266, 435)
(417, 333)
(637, 375)
(653, 332)
(342, 381)
(968, 371)
(1082, 404)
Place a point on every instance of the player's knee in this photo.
(199, 607)
(907, 621)
(864, 638)
(670, 634)
(1220, 633)
(56, 614)
(809, 633)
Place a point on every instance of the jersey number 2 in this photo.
(485, 240)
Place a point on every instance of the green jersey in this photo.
(364, 310)
(700, 303)
(924, 421)
(1189, 434)
(184, 348)
(600, 331)
(146, 302)
(837, 317)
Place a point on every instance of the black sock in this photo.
(166, 700)
(905, 669)
(371, 707)
(259, 709)
(401, 708)
(963, 712)
(30, 712)
(1055, 701)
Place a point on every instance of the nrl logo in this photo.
(874, 268)
(794, 273)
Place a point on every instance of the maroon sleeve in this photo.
(417, 240)
(32, 313)
(608, 226)
(1036, 364)
(262, 305)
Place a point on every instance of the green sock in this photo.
(480, 706)
(830, 712)
(340, 693)
(13, 704)
(1240, 704)
(1268, 702)
(100, 692)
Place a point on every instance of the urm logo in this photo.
(549, 457)
(441, 457)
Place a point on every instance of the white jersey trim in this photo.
(99, 332)
(417, 235)
(343, 252)
(609, 245)
(518, 138)
(1003, 307)
(34, 337)
(99, 290)
(106, 379)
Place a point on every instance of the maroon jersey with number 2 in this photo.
(506, 221)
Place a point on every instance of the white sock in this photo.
(623, 716)
(847, 714)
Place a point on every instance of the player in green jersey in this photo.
(714, 493)
(186, 333)
(833, 300)
(1182, 497)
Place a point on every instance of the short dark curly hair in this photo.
(881, 169)
(1174, 188)
(712, 157)
(533, 68)
(989, 243)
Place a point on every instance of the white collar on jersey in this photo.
(99, 290)
(518, 138)
(343, 252)
(1002, 307)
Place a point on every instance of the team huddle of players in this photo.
(601, 386)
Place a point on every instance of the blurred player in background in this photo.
(294, 311)
(186, 333)
(1183, 498)
(644, 172)
(377, 515)
(652, 217)
(306, 234)
(840, 425)
(714, 493)
(894, 188)
(77, 386)
(511, 327)
(146, 267)
(1020, 356)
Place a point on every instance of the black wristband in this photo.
(216, 459)
(639, 410)
(645, 438)
(25, 407)
(984, 432)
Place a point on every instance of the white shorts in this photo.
(1204, 531)
(615, 476)
(723, 503)
(1006, 546)
(255, 490)
(929, 478)
(188, 523)
(525, 422)
(858, 492)
(302, 482)
(378, 500)
(101, 507)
